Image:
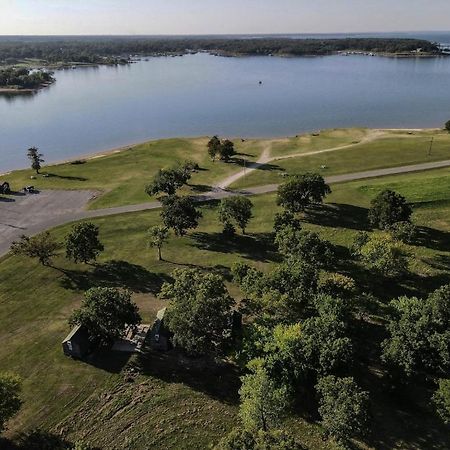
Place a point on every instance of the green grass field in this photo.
(179, 403)
(121, 177)
(388, 149)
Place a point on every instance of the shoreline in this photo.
(114, 150)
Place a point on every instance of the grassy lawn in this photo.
(121, 177)
(387, 150)
(179, 403)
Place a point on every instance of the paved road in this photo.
(33, 213)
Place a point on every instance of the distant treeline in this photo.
(107, 49)
(24, 78)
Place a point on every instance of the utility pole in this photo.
(431, 146)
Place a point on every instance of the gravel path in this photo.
(32, 213)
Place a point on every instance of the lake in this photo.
(93, 109)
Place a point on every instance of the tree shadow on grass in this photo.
(218, 380)
(108, 360)
(432, 238)
(402, 420)
(65, 177)
(114, 274)
(258, 247)
(200, 187)
(255, 165)
(338, 215)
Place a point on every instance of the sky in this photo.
(220, 16)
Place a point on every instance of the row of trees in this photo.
(96, 49)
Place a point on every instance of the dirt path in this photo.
(31, 214)
(265, 157)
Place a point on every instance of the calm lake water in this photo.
(92, 109)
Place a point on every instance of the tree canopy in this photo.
(42, 246)
(35, 158)
(106, 313)
(157, 237)
(343, 407)
(263, 404)
(10, 402)
(388, 208)
(83, 243)
(200, 311)
(419, 337)
(302, 191)
(168, 181)
(179, 213)
(236, 209)
(441, 399)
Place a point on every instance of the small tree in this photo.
(200, 311)
(36, 158)
(263, 404)
(236, 209)
(447, 126)
(382, 253)
(388, 208)
(180, 214)
(343, 407)
(82, 243)
(157, 237)
(214, 147)
(404, 231)
(441, 399)
(106, 313)
(10, 401)
(226, 150)
(302, 191)
(42, 246)
(168, 181)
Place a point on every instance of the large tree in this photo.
(36, 158)
(213, 147)
(226, 150)
(343, 407)
(200, 311)
(441, 399)
(447, 126)
(42, 246)
(157, 237)
(106, 313)
(302, 191)
(388, 208)
(83, 243)
(305, 245)
(179, 213)
(236, 209)
(168, 181)
(10, 402)
(419, 337)
(263, 403)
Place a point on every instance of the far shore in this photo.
(111, 151)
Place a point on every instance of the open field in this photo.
(178, 403)
(377, 150)
(120, 177)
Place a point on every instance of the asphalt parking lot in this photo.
(31, 213)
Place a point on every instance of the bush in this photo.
(404, 231)
(447, 126)
(343, 407)
(388, 208)
(441, 400)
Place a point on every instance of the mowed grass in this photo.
(387, 149)
(179, 403)
(120, 178)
